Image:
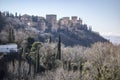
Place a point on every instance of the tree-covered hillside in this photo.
(72, 33)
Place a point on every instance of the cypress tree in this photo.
(19, 16)
(16, 15)
(50, 40)
(30, 63)
(2, 21)
(37, 60)
(59, 48)
(69, 65)
(11, 36)
(19, 67)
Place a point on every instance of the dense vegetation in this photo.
(100, 62)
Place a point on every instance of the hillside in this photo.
(73, 31)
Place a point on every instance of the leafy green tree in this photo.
(30, 41)
(35, 45)
(27, 44)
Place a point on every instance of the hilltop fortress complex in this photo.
(72, 29)
(51, 22)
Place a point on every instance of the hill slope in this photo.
(72, 32)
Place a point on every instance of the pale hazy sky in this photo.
(102, 15)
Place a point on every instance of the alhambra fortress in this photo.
(51, 22)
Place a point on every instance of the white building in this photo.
(8, 48)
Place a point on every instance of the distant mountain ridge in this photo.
(73, 31)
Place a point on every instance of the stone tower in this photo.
(51, 19)
(74, 19)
